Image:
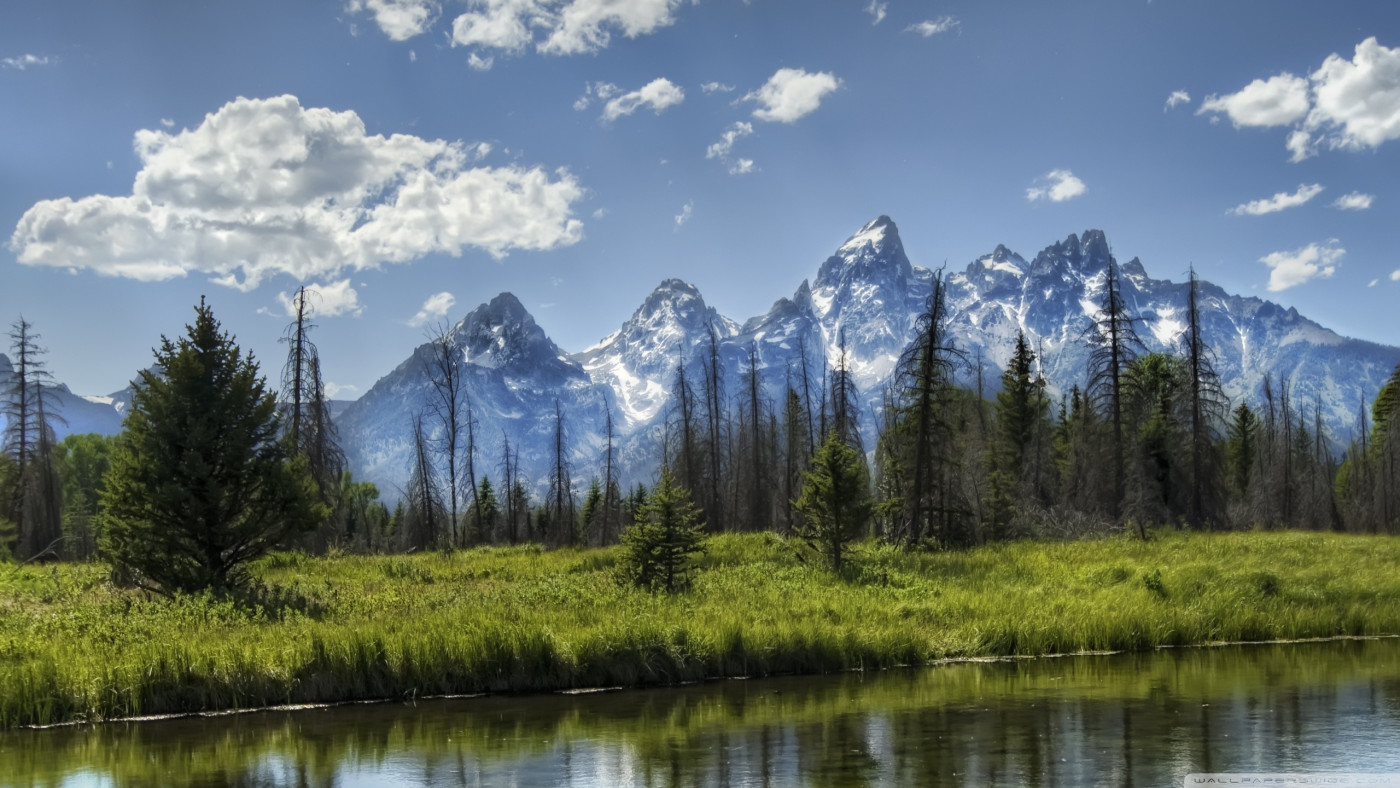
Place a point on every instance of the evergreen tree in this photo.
(1240, 448)
(82, 461)
(835, 500)
(666, 532)
(590, 515)
(1018, 458)
(200, 483)
(484, 529)
(422, 524)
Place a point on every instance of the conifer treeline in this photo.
(1149, 440)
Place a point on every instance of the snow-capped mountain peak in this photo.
(502, 333)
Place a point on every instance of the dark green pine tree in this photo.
(1241, 446)
(835, 502)
(666, 532)
(1018, 456)
(200, 483)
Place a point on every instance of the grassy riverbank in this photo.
(72, 647)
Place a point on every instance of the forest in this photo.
(1147, 440)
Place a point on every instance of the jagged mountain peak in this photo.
(875, 254)
(501, 333)
(673, 300)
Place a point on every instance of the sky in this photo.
(409, 159)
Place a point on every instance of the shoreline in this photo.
(945, 661)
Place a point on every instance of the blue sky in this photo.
(412, 158)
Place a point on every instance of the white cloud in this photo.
(791, 93)
(877, 9)
(169, 123)
(1374, 282)
(266, 187)
(1356, 201)
(400, 20)
(1395, 275)
(335, 390)
(932, 27)
(478, 63)
(1290, 269)
(23, 62)
(724, 149)
(435, 308)
(684, 215)
(717, 87)
(1056, 186)
(412, 56)
(1177, 97)
(1300, 144)
(558, 27)
(332, 300)
(658, 94)
(600, 213)
(1277, 101)
(1356, 103)
(1278, 202)
(1345, 104)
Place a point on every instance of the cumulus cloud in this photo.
(724, 149)
(877, 9)
(684, 215)
(1395, 275)
(400, 20)
(1278, 202)
(1356, 103)
(22, 62)
(1177, 97)
(1276, 101)
(717, 87)
(332, 300)
(478, 63)
(1356, 201)
(1346, 104)
(434, 309)
(1290, 269)
(558, 27)
(1056, 186)
(658, 94)
(791, 94)
(932, 27)
(266, 186)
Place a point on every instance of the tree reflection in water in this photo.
(1138, 719)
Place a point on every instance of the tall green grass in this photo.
(72, 647)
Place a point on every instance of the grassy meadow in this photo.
(73, 647)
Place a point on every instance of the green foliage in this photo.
(200, 484)
(666, 532)
(835, 501)
(73, 646)
(82, 462)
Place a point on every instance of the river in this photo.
(1124, 720)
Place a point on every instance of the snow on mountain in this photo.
(1055, 301)
(512, 373)
(638, 361)
(867, 294)
(71, 414)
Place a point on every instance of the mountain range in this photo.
(863, 302)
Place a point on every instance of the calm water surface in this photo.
(1130, 720)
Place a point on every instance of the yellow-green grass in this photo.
(72, 647)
